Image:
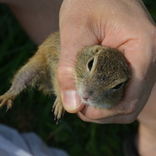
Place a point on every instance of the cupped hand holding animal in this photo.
(125, 25)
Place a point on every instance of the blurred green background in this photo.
(32, 110)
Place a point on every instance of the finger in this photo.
(117, 119)
(103, 116)
(70, 46)
(93, 113)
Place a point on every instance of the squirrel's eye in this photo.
(118, 86)
(90, 64)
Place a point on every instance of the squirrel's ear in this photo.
(90, 64)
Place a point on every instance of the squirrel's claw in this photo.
(6, 99)
(58, 109)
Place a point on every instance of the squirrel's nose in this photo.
(85, 98)
(87, 95)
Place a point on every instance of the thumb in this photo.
(70, 46)
(71, 100)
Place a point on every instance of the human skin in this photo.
(147, 127)
(125, 25)
(39, 18)
(120, 24)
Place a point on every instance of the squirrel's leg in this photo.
(57, 108)
(27, 75)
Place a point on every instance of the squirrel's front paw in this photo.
(58, 109)
(7, 99)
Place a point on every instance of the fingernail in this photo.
(70, 99)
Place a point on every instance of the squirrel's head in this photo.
(101, 75)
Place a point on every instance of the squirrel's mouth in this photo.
(98, 102)
(92, 97)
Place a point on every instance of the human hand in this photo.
(125, 25)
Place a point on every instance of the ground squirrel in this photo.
(101, 74)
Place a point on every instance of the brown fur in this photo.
(107, 71)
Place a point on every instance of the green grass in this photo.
(32, 110)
